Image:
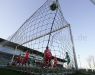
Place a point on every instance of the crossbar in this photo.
(46, 34)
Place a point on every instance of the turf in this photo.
(84, 73)
(80, 73)
(4, 71)
(36, 70)
(9, 72)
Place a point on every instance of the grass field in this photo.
(36, 70)
(4, 71)
(81, 73)
(9, 72)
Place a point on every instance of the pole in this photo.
(76, 66)
(79, 60)
(14, 54)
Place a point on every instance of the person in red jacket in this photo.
(47, 57)
(55, 63)
(19, 59)
(26, 56)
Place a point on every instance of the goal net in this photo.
(46, 27)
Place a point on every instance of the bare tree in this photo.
(89, 59)
(92, 58)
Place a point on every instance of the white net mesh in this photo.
(46, 27)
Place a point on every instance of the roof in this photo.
(1, 40)
(13, 45)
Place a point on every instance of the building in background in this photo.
(7, 51)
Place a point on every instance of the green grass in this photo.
(84, 73)
(4, 71)
(80, 73)
(9, 72)
(36, 70)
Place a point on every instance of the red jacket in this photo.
(26, 55)
(47, 53)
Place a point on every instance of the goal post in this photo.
(47, 24)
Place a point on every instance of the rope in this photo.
(52, 26)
